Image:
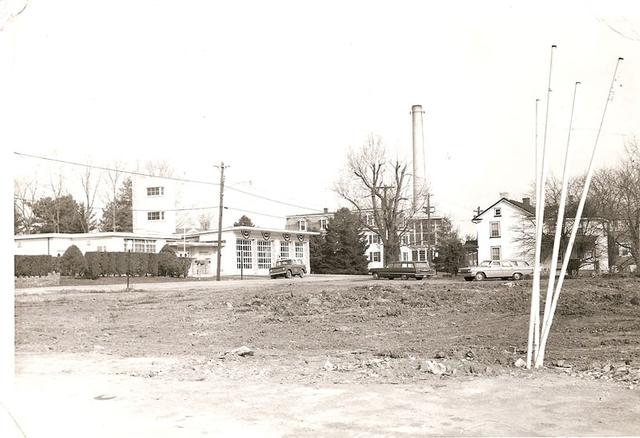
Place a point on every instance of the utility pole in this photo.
(220, 208)
(429, 258)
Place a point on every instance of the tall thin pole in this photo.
(429, 258)
(559, 225)
(220, 209)
(576, 224)
(534, 317)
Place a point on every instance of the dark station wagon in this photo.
(288, 268)
(403, 270)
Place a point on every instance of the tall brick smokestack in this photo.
(418, 154)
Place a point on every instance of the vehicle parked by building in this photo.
(403, 270)
(515, 269)
(288, 268)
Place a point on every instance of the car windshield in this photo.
(485, 264)
(283, 262)
(422, 265)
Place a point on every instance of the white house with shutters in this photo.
(500, 229)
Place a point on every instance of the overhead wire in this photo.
(171, 178)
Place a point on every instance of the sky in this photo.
(281, 90)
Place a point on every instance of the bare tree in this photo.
(25, 196)
(588, 245)
(379, 190)
(111, 195)
(90, 185)
(628, 188)
(56, 183)
(205, 220)
(159, 168)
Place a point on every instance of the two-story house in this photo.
(506, 230)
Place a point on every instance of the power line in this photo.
(130, 172)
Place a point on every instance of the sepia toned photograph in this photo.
(320, 219)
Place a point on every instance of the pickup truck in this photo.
(288, 268)
(403, 270)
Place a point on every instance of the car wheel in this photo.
(302, 273)
(273, 276)
(419, 277)
(288, 274)
(404, 277)
(517, 276)
(480, 276)
(375, 275)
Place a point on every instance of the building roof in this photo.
(528, 209)
(90, 235)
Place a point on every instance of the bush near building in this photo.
(72, 262)
(32, 265)
(104, 264)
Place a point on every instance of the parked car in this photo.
(403, 270)
(288, 268)
(515, 269)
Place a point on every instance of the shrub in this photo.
(168, 264)
(72, 262)
(152, 267)
(32, 265)
(93, 270)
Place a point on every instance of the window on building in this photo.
(299, 250)
(623, 252)
(243, 254)
(155, 215)
(284, 250)
(495, 229)
(139, 245)
(101, 248)
(405, 256)
(323, 224)
(419, 255)
(374, 256)
(302, 225)
(264, 254)
(495, 253)
(155, 191)
(497, 212)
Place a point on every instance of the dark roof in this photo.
(527, 208)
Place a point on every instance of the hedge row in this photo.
(35, 266)
(97, 264)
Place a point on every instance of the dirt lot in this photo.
(358, 334)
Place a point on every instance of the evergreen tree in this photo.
(342, 249)
(244, 221)
(56, 215)
(122, 206)
(450, 250)
(73, 262)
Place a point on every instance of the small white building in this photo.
(244, 250)
(55, 244)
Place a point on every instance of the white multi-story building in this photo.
(153, 205)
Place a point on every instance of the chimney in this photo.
(526, 202)
(418, 153)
